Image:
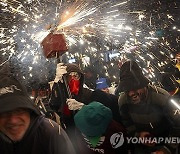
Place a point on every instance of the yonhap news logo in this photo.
(117, 140)
(154, 140)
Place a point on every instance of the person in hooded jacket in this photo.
(68, 95)
(146, 110)
(23, 130)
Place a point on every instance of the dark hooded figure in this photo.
(74, 79)
(146, 111)
(70, 87)
(22, 129)
(69, 95)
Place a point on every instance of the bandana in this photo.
(74, 86)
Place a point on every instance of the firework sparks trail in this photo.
(87, 25)
(82, 11)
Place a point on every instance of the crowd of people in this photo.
(90, 121)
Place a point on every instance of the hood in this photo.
(13, 95)
(75, 68)
(131, 77)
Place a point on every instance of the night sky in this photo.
(100, 35)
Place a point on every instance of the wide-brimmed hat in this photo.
(131, 77)
(93, 119)
(13, 95)
(101, 83)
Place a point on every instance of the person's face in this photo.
(138, 95)
(15, 123)
(74, 76)
(106, 90)
(74, 82)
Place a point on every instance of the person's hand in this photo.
(148, 137)
(60, 71)
(73, 104)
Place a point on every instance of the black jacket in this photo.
(42, 137)
(109, 100)
(59, 96)
(156, 115)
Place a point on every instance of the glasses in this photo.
(75, 75)
(16, 112)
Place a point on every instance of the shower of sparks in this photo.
(93, 29)
(76, 15)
